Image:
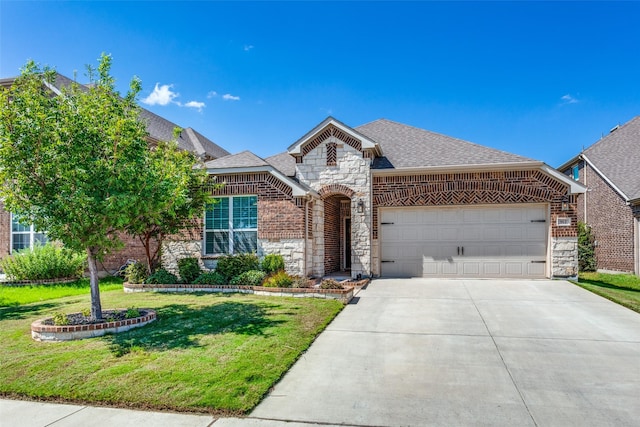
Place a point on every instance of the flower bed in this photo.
(344, 295)
(45, 330)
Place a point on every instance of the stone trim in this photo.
(333, 189)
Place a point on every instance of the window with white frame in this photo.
(231, 226)
(24, 236)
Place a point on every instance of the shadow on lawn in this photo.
(180, 326)
(600, 284)
(27, 310)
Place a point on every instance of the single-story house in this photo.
(611, 205)
(15, 236)
(387, 199)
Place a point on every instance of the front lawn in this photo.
(623, 289)
(27, 294)
(215, 353)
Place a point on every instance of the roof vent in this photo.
(615, 128)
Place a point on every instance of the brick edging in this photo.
(42, 332)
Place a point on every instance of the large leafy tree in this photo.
(176, 197)
(73, 162)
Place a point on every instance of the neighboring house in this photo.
(15, 236)
(610, 169)
(387, 199)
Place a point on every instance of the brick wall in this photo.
(611, 222)
(332, 235)
(474, 188)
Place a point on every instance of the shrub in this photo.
(42, 262)
(280, 279)
(230, 266)
(300, 282)
(60, 319)
(132, 313)
(162, 277)
(210, 278)
(330, 284)
(189, 269)
(248, 278)
(272, 263)
(586, 250)
(136, 272)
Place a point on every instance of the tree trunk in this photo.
(96, 305)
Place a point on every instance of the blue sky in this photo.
(539, 79)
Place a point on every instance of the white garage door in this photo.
(485, 241)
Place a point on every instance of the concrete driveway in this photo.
(416, 352)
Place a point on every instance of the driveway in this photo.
(416, 352)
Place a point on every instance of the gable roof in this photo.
(244, 159)
(159, 128)
(363, 140)
(616, 157)
(406, 146)
(284, 162)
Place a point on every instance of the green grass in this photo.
(22, 294)
(215, 353)
(623, 289)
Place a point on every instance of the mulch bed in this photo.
(107, 316)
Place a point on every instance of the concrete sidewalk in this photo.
(416, 352)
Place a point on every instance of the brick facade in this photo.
(611, 221)
(332, 246)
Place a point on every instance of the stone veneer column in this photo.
(564, 257)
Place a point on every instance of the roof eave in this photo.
(367, 143)
(297, 189)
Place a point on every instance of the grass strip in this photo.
(623, 289)
(16, 295)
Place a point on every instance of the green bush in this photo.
(330, 284)
(43, 262)
(272, 263)
(162, 277)
(586, 249)
(60, 319)
(132, 313)
(230, 266)
(280, 279)
(136, 272)
(210, 278)
(248, 278)
(189, 269)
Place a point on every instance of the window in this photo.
(24, 236)
(575, 172)
(231, 226)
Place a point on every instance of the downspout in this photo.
(586, 193)
(306, 234)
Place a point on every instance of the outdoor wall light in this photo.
(565, 203)
(360, 206)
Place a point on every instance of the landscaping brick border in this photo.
(344, 295)
(53, 333)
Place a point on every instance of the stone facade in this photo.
(611, 221)
(334, 166)
(564, 256)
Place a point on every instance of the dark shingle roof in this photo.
(617, 156)
(284, 162)
(409, 147)
(245, 159)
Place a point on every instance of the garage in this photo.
(461, 241)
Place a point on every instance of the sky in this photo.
(538, 79)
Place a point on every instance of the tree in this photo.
(176, 195)
(71, 162)
(586, 248)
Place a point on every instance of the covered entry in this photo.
(463, 241)
(337, 234)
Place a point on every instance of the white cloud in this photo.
(161, 95)
(212, 94)
(568, 99)
(195, 104)
(229, 97)
(248, 47)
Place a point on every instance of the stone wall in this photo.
(292, 251)
(564, 257)
(347, 176)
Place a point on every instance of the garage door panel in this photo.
(500, 241)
